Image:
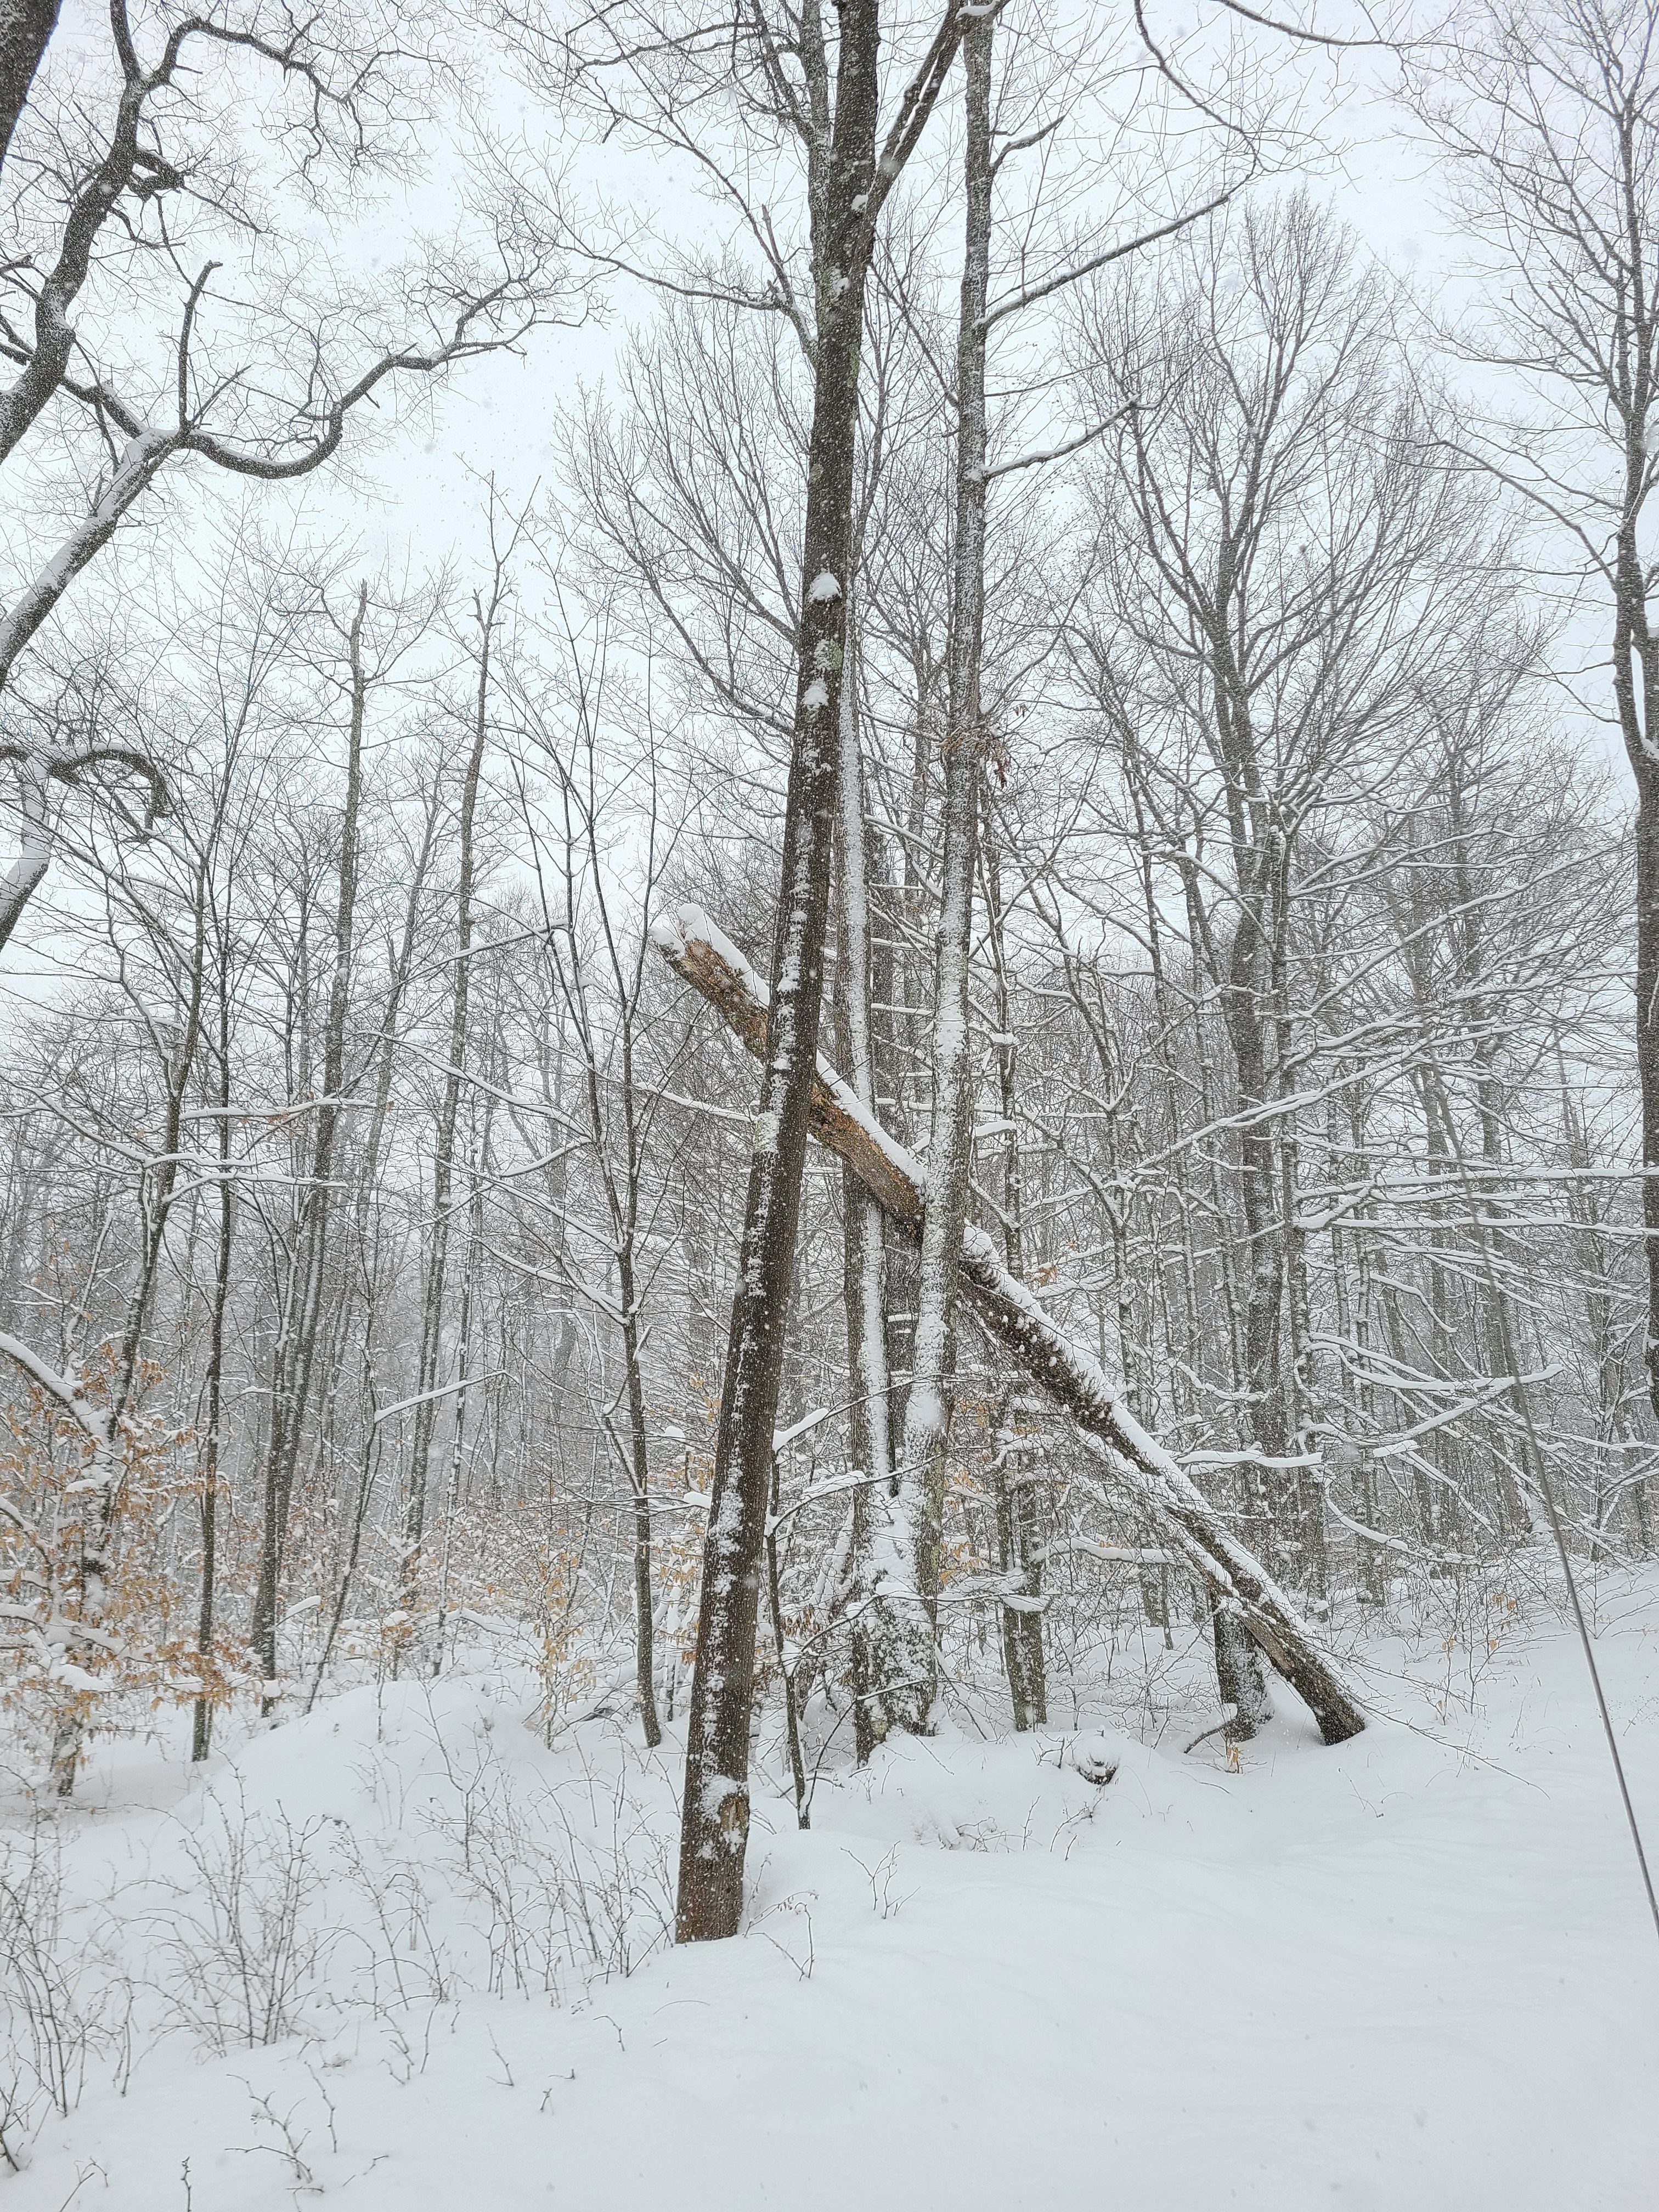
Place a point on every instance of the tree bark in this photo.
(883, 1550)
(1017, 1464)
(716, 1808)
(26, 30)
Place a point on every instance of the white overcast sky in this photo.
(499, 416)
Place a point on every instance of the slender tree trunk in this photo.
(888, 1637)
(1647, 1041)
(786, 1672)
(1018, 1461)
(477, 1147)
(201, 1726)
(443, 1163)
(301, 1306)
(639, 1465)
(1238, 1667)
(928, 1407)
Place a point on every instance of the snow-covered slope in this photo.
(1412, 1974)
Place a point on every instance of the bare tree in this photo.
(263, 370)
(1282, 557)
(596, 946)
(1548, 118)
(846, 194)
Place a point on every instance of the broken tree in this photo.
(1140, 1468)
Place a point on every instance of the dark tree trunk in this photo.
(26, 30)
(715, 1811)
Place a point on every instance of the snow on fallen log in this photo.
(1034, 1340)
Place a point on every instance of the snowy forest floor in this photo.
(1410, 1974)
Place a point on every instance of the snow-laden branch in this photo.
(66, 1391)
(142, 459)
(428, 1397)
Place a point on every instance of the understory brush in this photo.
(384, 1857)
(350, 1875)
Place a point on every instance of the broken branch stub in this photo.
(1067, 1370)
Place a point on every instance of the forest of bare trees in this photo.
(1134, 709)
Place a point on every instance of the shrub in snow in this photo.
(95, 1629)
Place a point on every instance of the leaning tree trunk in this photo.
(1150, 1479)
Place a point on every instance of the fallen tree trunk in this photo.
(1071, 1375)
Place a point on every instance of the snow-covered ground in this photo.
(1412, 1974)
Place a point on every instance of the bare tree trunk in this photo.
(787, 1672)
(883, 1548)
(715, 1805)
(443, 1163)
(202, 1721)
(1354, 1323)
(301, 1314)
(929, 1406)
(26, 30)
(639, 1473)
(477, 1148)
(1018, 1462)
